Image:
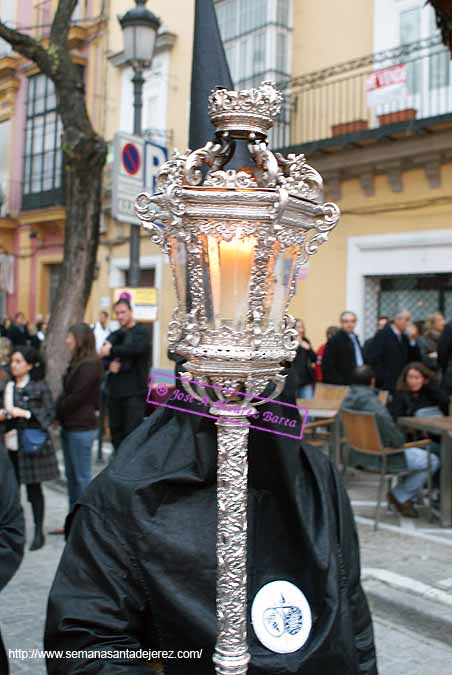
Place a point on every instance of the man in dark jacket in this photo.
(445, 357)
(391, 350)
(12, 533)
(363, 398)
(139, 568)
(128, 350)
(18, 331)
(381, 323)
(342, 352)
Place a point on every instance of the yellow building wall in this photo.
(326, 33)
(321, 296)
(178, 18)
(23, 263)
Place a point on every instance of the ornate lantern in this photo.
(236, 241)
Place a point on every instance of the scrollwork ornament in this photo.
(230, 179)
(172, 171)
(175, 327)
(290, 335)
(331, 215)
(214, 155)
(300, 178)
(266, 164)
(148, 212)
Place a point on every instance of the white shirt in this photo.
(100, 335)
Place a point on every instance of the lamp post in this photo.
(139, 27)
(243, 237)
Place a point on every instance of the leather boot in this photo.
(37, 506)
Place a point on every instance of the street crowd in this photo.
(110, 370)
(415, 371)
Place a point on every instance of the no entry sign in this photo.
(135, 165)
(131, 158)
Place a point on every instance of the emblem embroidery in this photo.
(281, 617)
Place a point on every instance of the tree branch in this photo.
(62, 22)
(27, 46)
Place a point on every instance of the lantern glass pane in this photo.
(139, 43)
(279, 281)
(226, 280)
(178, 259)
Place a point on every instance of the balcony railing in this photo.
(409, 86)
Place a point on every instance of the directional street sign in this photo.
(135, 166)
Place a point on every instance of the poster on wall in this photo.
(387, 84)
(143, 301)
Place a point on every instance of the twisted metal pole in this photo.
(231, 655)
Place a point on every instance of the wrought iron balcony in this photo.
(389, 93)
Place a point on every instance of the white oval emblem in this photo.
(281, 617)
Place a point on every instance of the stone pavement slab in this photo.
(405, 652)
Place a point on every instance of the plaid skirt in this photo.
(38, 468)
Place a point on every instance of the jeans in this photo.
(77, 450)
(306, 391)
(417, 465)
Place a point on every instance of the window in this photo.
(256, 39)
(410, 23)
(146, 280)
(42, 182)
(8, 10)
(439, 61)
(283, 12)
(54, 284)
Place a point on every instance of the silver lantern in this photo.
(236, 240)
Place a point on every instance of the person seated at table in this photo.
(416, 389)
(363, 397)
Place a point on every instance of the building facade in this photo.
(32, 211)
(372, 111)
(368, 100)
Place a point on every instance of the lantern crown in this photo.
(245, 111)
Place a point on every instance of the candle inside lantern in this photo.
(236, 259)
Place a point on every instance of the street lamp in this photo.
(140, 28)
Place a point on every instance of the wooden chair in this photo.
(362, 436)
(317, 433)
(330, 392)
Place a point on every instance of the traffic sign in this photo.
(135, 167)
(131, 158)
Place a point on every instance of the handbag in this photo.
(33, 441)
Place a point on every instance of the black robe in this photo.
(12, 533)
(139, 567)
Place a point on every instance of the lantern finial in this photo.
(245, 111)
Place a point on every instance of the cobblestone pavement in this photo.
(400, 650)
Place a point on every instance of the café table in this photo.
(321, 409)
(439, 426)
